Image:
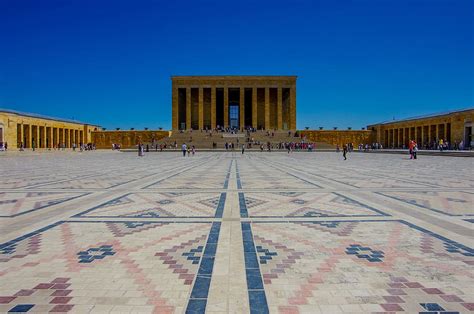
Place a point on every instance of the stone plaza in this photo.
(107, 231)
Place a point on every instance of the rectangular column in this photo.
(22, 135)
(416, 134)
(174, 108)
(254, 107)
(293, 108)
(226, 106)
(201, 108)
(30, 136)
(446, 132)
(213, 107)
(188, 108)
(51, 142)
(44, 136)
(280, 108)
(57, 137)
(393, 138)
(242, 107)
(267, 108)
(36, 136)
(404, 139)
(422, 136)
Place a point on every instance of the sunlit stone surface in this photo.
(226, 232)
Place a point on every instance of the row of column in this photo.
(30, 135)
(397, 137)
(291, 115)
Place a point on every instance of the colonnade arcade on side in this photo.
(206, 102)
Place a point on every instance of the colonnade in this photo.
(423, 134)
(279, 114)
(261, 102)
(44, 136)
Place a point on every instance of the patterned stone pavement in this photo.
(222, 232)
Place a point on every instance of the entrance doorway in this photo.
(468, 137)
(234, 115)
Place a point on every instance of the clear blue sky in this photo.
(357, 62)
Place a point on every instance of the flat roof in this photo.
(233, 77)
(426, 116)
(40, 116)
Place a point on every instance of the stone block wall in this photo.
(339, 137)
(126, 138)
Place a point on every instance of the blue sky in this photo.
(357, 62)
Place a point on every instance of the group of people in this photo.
(412, 149)
(59, 146)
(185, 149)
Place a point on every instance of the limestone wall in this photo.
(340, 137)
(45, 132)
(450, 127)
(126, 138)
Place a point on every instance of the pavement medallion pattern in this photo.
(111, 232)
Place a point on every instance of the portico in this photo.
(261, 102)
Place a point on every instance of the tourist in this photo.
(184, 148)
(344, 151)
(189, 151)
(243, 149)
(415, 149)
(411, 145)
(33, 144)
(140, 149)
(193, 149)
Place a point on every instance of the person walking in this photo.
(415, 149)
(411, 145)
(184, 148)
(243, 149)
(140, 150)
(344, 151)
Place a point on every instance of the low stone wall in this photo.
(340, 137)
(126, 138)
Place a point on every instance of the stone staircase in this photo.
(205, 140)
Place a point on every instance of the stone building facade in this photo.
(261, 102)
(454, 126)
(339, 137)
(126, 138)
(30, 129)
